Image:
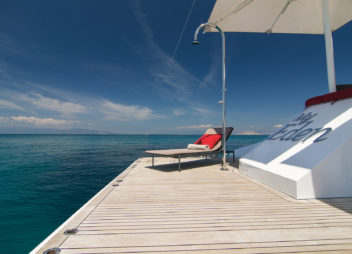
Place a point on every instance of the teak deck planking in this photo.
(201, 210)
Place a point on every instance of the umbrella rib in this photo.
(235, 10)
(284, 8)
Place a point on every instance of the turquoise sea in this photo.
(44, 179)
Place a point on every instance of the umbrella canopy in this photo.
(285, 16)
(279, 16)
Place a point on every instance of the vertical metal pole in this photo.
(223, 102)
(329, 48)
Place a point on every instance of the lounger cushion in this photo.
(209, 139)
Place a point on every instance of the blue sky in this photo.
(108, 66)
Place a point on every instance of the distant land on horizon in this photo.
(58, 132)
(77, 131)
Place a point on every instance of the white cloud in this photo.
(43, 122)
(114, 111)
(46, 103)
(201, 126)
(9, 105)
(278, 125)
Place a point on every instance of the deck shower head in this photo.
(205, 28)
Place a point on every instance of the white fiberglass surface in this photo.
(307, 138)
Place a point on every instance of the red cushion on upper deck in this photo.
(329, 97)
(314, 101)
(209, 139)
(340, 95)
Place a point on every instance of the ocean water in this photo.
(44, 179)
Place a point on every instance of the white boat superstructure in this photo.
(310, 157)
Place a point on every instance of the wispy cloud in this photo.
(47, 103)
(209, 78)
(3, 119)
(193, 111)
(201, 126)
(175, 78)
(115, 111)
(110, 69)
(9, 105)
(179, 112)
(203, 111)
(43, 122)
(163, 68)
(10, 45)
(4, 72)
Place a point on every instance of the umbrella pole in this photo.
(223, 102)
(329, 47)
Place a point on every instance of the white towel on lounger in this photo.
(197, 147)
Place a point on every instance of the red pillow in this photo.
(209, 139)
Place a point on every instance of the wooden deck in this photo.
(201, 210)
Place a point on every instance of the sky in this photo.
(117, 67)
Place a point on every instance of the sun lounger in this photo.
(212, 137)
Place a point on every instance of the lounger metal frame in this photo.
(179, 156)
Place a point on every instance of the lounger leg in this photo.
(153, 161)
(179, 164)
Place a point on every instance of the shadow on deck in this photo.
(186, 165)
(344, 204)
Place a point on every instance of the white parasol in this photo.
(285, 16)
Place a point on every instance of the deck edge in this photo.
(80, 213)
